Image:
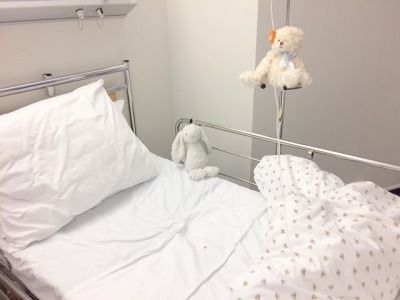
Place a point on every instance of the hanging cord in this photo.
(272, 14)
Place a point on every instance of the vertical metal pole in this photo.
(282, 96)
(287, 20)
(130, 97)
(281, 102)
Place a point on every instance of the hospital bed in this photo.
(166, 238)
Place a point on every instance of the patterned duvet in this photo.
(325, 240)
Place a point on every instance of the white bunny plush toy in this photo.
(190, 149)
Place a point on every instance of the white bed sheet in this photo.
(169, 238)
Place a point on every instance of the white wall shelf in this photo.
(37, 10)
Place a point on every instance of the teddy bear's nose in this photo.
(281, 43)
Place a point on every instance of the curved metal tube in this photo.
(32, 86)
(307, 148)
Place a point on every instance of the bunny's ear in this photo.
(178, 149)
(204, 140)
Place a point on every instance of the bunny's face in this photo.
(191, 134)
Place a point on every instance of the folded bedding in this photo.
(324, 239)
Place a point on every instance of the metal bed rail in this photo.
(54, 81)
(10, 285)
(13, 287)
(311, 150)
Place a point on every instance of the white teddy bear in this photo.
(281, 67)
(191, 148)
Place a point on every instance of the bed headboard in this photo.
(55, 81)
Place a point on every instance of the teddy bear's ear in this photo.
(204, 140)
(178, 149)
(271, 37)
(297, 35)
(300, 34)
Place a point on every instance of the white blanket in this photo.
(324, 239)
(165, 239)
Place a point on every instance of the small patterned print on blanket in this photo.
(325, 240)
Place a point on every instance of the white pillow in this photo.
(119, 104)
(62, 156)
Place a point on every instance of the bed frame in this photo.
(11, 288)
(310, 150)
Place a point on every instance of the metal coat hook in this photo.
(100, 17)
(81, 17)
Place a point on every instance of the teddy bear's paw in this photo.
(197, 174)
(306, 79)
(291, 79)
(249, 78)
(211, 171)
(296, 78)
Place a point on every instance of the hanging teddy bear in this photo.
(281, 67)
(190, 149)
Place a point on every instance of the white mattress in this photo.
(170, 238)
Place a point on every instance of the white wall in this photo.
(146, 44)
(211, 42)
(27, 50)
(351, 50)
(186, 59)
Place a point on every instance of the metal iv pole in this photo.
(282, 94)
